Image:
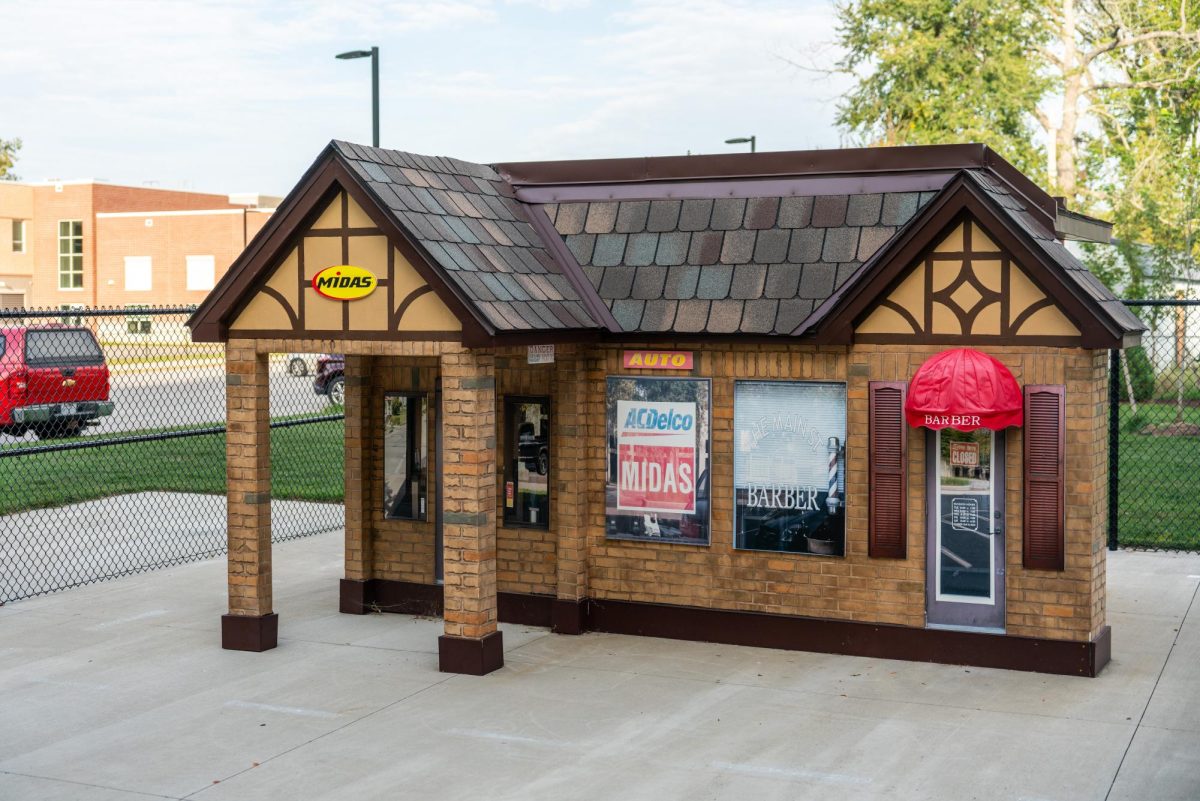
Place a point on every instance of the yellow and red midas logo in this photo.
(344, 282)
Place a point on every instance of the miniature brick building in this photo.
(846, 401)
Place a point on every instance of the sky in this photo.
(240, 96)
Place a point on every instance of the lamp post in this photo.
(374, 55)
(741, 140)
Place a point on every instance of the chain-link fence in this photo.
(112, 446)
(1154, 431)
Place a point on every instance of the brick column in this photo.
(250, 624)
(471, 643)
(569, 471)
(360, 439)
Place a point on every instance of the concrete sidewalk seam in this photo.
(88, 784)
(1157, 679)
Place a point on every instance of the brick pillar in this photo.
(569, 471)
(360, 438)
(250, 624)
(471, 643)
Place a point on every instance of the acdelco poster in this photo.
(657, 472)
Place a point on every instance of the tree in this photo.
(8, 156)
(935, 71)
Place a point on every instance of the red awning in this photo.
(964, 389)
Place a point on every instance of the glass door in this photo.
(965, 553)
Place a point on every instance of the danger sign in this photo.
(656, 456)
(964, 454)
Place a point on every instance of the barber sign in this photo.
(656, 456)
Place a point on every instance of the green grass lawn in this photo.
(1159, 500)
(306, 464)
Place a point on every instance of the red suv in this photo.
(53, 381)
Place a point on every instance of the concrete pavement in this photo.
(120, 691)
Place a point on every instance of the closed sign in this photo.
(964, 454)
(344, 282)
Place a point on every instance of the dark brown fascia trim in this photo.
(570, 267)
(473, 323)
(209, 320)
(880, 274)
(1033, 195)
(746, 165)
(870, 183)
(343, 334)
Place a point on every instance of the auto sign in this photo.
(344, 282)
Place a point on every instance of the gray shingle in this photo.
(844, 271)
(617, 283)
(659, 315)
(748, 281)
(864, 209)
(570, 218)
(806, 245)
(672, 248)
(705, 247)
(594, 275)
(610, 250)
(829, 211)
(792, 312)
(495, 232)
(840, 244)
(724, 316)
(600, 218)
(714, 282)
(727, 213)
(738, 247)
(628, 313)
(782, 280)
(664, 215)
(795, 212)
(641, 249)
(759, 316)
(681, 281)
(761, 212)
(772, 245)
(648, 282)
(631, 217)
(695, 214)
(816, 280)
(898, 207)
(872, 240)
(581, 246)
(692, 316)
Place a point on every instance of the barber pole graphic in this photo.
(831, 500)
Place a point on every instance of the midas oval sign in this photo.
(344, 282)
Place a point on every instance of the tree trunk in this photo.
(1064, 138)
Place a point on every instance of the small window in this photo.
(405, 456)
(527, 473)
(18, 236)
(201, 273)
(138, 273)
(70, 254)
(71, 319)
(138, 323)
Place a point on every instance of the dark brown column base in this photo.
(352, 597)
(471, 656)
(567, 616)
(249, 633)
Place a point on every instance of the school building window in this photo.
(405, 456)
(18, 236)
(527, 471)
(70, 254)
(201, 273)
(138, 323)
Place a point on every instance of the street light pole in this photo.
(373, 53)
(741, 140)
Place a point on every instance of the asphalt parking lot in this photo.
(121, 691)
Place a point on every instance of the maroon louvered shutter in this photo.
(1045, 420)
(887, 524)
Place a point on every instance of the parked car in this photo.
(301, 364)
(532, 450)
(330, 377)
(53, 381)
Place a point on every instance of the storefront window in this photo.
(789, 472)
(405, 456)
(527, 473)
(657, 476)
